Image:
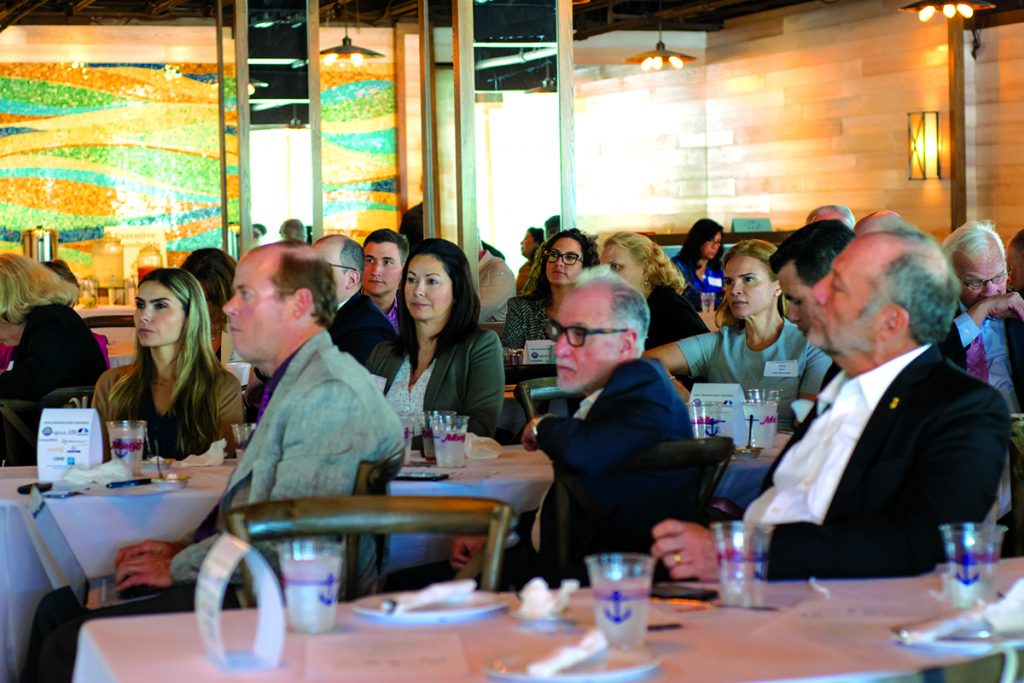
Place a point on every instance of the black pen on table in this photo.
(129, 482)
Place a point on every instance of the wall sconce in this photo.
(923, 138)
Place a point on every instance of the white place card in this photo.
(68, 437)
(219, 565)
(539, 352)
(781, 368)
(386, 657)
(730, 398)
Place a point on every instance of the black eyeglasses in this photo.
(568, 258)
(335, 265)
(576, 335)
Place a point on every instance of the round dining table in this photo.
(819, 631)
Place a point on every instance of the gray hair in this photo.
(842, 214)
(922, 282)
(351, 255)
(973, 239)
(628, 306)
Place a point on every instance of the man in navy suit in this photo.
(358, 325)
(987, 336)
(629, 406)
(901, 440)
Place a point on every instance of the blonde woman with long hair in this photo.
(755, 346)
(174, 382)
(642, 263)
(54, 347)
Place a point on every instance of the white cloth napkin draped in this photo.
(1002, 617)
(538, 601)
(213, 456)
(482, 448)
(113, 470)
(445, 592)
(567, 657)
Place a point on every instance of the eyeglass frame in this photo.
(556, 330)
(978, 285)
(552, 255)
(338, 265)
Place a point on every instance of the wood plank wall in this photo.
(800, 107)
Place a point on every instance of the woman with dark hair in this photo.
(700, 262)
(54, 346)
(441, 359)
(563, 257)
(174, 381)
(215, 272)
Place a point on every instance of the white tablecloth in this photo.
(95, 527)
(811, 636)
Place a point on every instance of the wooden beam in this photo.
(19, 11)
(957, 125)
(675, 14)
(992, 19)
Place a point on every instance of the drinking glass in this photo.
(126, 439)
(742, 562)
(449, 435)
(428, 434)
(311, 569)
(972, 553)
(412, 426)
(622, 593)
(242, 432)
(705, 419)
(762, 419)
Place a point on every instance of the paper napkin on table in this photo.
(113, 470)
(1000, 617)
(444, 592)
(566, 657)
(213, 456)
(482, 448)
(540, 602)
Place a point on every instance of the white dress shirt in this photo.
(806, 480)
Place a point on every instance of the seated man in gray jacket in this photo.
(320, 416)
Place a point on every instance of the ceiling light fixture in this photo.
(926, 9)
(348, 51)
(657, 58)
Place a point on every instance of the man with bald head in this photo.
(358, 325)
(900, 442)
(832, 212)
(881, 221)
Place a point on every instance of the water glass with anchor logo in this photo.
(742, 562)
(705, 419)
(972, 553)
(311, 569)
(622, 592)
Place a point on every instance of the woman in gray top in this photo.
(755, 347)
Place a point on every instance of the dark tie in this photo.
(977, 363)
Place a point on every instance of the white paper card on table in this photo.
(68, 437)
(730, 397)
(781, 368)
(539, 352)
(386, 657)
(216, 571)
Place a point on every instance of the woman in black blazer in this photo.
(54, 346)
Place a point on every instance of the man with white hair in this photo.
(987, 338)
(832, 212)
(629, 406)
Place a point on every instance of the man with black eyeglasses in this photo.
(358, 325)
(987, 338)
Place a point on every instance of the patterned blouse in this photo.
(527, 319)
(403, 399)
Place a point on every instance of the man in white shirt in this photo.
(901, 442)
(987, 337)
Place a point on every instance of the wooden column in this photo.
(957, 126)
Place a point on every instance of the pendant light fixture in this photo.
(926, 9)
(657, 58)
(347, 51)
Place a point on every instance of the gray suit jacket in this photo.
(468, 378)
(324, 417)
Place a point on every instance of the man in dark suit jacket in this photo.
(987, 336)
(358, 325)
(902, 441)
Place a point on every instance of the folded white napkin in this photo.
(213, 456)
(482, 448)
(1001, 617)
(444, 592)
(113, 470)
(540, 602)
(566, 657)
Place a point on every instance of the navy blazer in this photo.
(56, 350)
(359, 326)
(932, 452)
(637, 410)
(954, 349)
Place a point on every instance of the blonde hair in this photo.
(658, 270)
(755, 249)
(26, 285)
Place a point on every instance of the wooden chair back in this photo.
(533, 392)
(96, 322)
(344, 516)
(372, 479)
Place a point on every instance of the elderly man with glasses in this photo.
(987, 338)
(358, 325)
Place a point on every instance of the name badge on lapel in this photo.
(781, 368)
